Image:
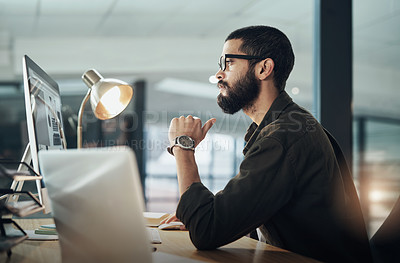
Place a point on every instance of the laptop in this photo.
(97, 203)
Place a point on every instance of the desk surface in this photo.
(173, 242)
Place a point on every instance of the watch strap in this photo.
(169, 149)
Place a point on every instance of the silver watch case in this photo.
(185, 142)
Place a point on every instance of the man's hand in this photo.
(172, 218)
(190, 126)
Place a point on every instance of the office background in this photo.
(169, 50)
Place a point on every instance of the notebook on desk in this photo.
(97, 205)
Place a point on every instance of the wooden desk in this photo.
(173, 242)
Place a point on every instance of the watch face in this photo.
(185, 141)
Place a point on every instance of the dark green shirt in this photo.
(290, 185)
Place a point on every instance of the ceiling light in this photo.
(212, 79)
(295, 90)
(188, 88)
(376, 196)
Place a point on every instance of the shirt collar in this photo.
(277, 107)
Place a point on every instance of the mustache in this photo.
(222, 83)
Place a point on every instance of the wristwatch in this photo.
(183, 141)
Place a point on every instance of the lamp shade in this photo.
(108, 97)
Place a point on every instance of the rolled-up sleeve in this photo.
(264, 184)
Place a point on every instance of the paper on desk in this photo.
(33, 236)
(154, 218)
(50, 226)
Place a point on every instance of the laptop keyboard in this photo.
(154, 235)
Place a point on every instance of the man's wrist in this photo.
(178, 149)
(173, 148)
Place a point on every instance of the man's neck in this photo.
(268, 93)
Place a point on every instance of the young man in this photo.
(290, 185)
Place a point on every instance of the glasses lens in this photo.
(222, 63)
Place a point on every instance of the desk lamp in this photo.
(108, 98)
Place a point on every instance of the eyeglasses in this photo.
(222, 59)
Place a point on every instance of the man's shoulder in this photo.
(291, 126)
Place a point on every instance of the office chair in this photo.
(385, 243)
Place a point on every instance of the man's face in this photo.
(238, 85)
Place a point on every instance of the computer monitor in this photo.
(43, 114)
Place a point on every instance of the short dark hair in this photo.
(269, 42)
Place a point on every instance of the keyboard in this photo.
(154, 235)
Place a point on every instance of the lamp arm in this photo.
(80, 116)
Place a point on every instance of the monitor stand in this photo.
(17, 185)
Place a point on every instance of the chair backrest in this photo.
(355, 216)
(385, 243)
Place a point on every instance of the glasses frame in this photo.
(222, 66)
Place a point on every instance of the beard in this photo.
(240, 95)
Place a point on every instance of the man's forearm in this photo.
(186, 165)
(187, 170)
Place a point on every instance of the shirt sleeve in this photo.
(264, 184)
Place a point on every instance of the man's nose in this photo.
(219, 74)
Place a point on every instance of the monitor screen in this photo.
(43, 111)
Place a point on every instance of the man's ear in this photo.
(264, 68)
